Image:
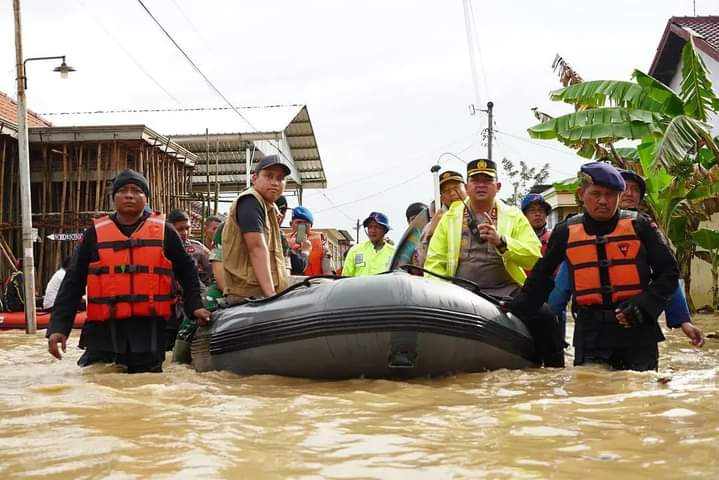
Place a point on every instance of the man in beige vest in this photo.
(253, 259)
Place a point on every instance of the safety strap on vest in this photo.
(129, 299)
(130, 268)
(130, 243)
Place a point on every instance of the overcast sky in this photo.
(387, 82)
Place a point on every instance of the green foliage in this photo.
(569, 185)
(696, 88)
(679, 139)
(648, 95)
(522, 178)
(599, 125)
(706, 239)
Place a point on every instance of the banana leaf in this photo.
(707, 239)
(696, 87)
(650, 96)
(681, 136)
(601, 125)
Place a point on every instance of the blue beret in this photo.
(303, 213)
(602, 174)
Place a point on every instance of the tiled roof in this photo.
(706, 27)
(676, 33)
(8, 113)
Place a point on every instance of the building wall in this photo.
(701, 272)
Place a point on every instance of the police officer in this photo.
(622, 275)
(374, 255)
(127, 260)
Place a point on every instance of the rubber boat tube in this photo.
(393, 325)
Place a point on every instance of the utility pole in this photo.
(490, 129)
(28, 255)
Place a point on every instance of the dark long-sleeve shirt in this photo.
(134, 332)
(664, 268)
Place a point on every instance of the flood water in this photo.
(58, 421)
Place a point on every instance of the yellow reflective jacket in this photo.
(363, 259)
(523, 247)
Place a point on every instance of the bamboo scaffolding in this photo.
(71, 186)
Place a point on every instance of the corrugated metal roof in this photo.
(109, 133)
(286, 128)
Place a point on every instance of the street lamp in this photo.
(24, 169)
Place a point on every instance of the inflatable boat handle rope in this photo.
(462, 282)
(304, 283)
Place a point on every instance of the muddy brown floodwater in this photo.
(58, 421)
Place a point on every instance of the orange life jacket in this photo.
(133, 278)
(314, 263)
(606, 269)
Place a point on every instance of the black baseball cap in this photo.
(482, 165)
(450, 175)
(269, 161)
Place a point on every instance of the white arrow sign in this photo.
(65, 236)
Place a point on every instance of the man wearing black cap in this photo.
(492, 244)
(622, 275)
(128, 261)
(451, 189)
(253, 257)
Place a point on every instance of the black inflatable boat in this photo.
(393, 325)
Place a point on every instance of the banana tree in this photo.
(709, 240)
(673, 147)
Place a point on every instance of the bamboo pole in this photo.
(97, 176)
(12, 182)
(2, 179)
(79, 186)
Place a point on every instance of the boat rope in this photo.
(459, 281)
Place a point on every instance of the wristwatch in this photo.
(502, 247)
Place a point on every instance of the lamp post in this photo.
(28, 256)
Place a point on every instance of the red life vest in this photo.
(606, 269)
(133, 278)
(314, 263)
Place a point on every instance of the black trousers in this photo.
(136, 362)
(548, 340)
(640, 358)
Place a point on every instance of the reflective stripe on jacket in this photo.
(523, 247)
(132, 278)
(606, 269)
(363, 260)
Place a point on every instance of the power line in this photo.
(126, 52)
(165, 110)
(530, 142)
(367, 197)
(197, 69)
(394, 165)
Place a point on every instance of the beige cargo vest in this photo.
(240, 278)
